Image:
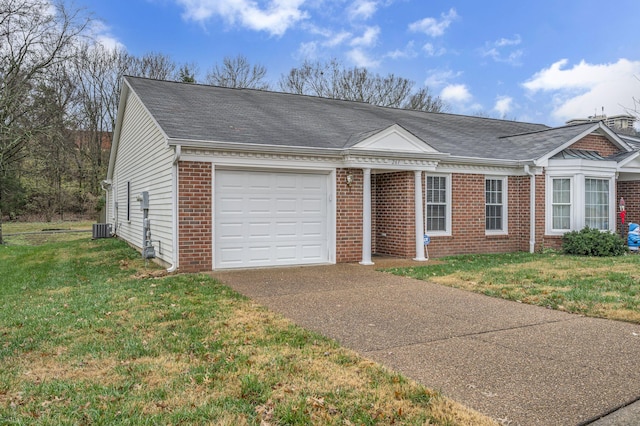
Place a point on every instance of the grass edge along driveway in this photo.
(602, 287)
(89, 335)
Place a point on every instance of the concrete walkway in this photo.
(519, 364)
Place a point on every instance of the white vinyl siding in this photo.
(144, 163)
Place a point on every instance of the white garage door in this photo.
(269, 219)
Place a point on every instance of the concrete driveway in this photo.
(519, 364)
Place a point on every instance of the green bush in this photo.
(593, 242)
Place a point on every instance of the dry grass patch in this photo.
(599, 287)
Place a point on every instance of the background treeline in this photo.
(59, 91)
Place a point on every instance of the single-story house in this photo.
(240, 178)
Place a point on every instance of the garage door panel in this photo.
(312, 229)
(230, 230)
(286, 205)
(259, 230)
(270, 218)
(228, 205)
(312, 252)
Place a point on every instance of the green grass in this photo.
(85, 340)
(605, 287)
(31, 233)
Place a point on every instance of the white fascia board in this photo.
(614, 138)
(122, 105)
(578, 165)
(628, 161)
(212, 145)
(570, 142)
(608, 133)
(115, 141)
(394, 138)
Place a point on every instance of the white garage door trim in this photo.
(271, 218)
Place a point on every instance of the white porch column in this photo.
(366, 218)
(419, 217)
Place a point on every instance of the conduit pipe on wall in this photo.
(174, 201)
(532, 208)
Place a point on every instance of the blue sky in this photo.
(545, 61)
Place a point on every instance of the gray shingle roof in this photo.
(209, 113)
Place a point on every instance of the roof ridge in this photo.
(544, 130)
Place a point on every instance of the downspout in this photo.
(532, 209)
(174, 201)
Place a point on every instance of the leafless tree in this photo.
(423, 100)
(35, 35)
(155, 65)
(238, 73)
(332, 80)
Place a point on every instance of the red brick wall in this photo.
(468, 218)
(597, 143)
(194, 216)
(631, 192)
(349, 215)
(395, 214)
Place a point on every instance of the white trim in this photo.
(393, 139)
(419, 216)
(549, 230)
(505, 205)
(447, 232)
(366, 218)
(578, 207)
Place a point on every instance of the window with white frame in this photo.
(561, 203)
(596, 203)
(495, 204)
(437, 205)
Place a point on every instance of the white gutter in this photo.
(532, 209)
(174, 201)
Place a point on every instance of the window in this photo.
(495, 204)
(596, 203)
(437, 213)
(561, 203)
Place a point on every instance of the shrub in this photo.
(593, 242)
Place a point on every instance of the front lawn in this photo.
(91, 336)
(605, 287)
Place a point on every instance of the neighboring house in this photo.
(246, 178)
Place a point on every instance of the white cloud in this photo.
(362, 59)
(502, 50)
(456, 94)
(431, 50)
(362, 9)
(275, 17)
(337, 39)
(407, 52)
(438, 78)
(579, 91)
(102, 34)
(503, 105)
(431, 26)
(369, 38)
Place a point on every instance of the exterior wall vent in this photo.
(101, 230)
